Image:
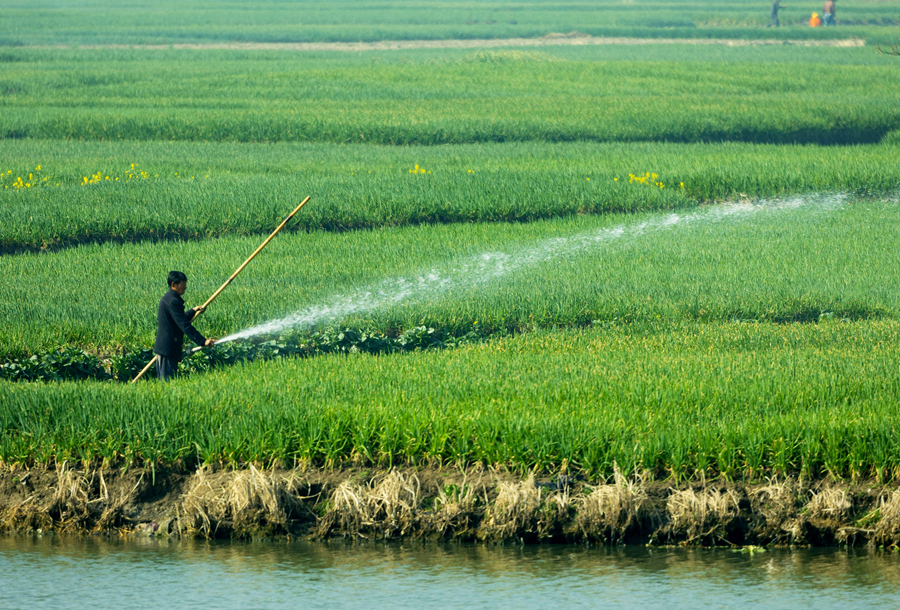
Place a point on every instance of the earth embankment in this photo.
(486, 505)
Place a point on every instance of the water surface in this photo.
(57, 572)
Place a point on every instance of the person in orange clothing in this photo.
(814, 21)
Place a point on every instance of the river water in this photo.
(60, 572)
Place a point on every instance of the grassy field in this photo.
(669, 257)
(92, 22)
(86, 192)
(462, 97)
(742, 400)
(788, 261)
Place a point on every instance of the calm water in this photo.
(53, 572)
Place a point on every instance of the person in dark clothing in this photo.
(828, 13)
(173, 322)
(776, 6)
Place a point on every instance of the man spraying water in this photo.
(173, 321)
(172, 324)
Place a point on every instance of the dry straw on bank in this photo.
(243, 501)
(829, 504)
(887, 528)
(80, 501)
(386, 507)
(777, 504)
(609, 511)
(455, 507)
(701, 516)
(514, 512)
(72, 494)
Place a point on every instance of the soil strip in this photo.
(477, 504)
(571, 39)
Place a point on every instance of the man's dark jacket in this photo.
(172, 324)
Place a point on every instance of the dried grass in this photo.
(80, 501)
(777, 503)
(514, 512)
(248, 502)
(386, 507)
(610, 510)
(113, 509)
(455, 508)
(887, 528)
(71, 498)
(701, 516)
(829, 504)
(554, 513)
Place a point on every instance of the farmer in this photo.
(776, 6)
(828, 13)
(172, 324)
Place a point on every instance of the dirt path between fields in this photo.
(571, 39)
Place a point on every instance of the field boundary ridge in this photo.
(571, 39)
(445, 503)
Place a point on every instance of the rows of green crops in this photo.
(54, 22)
(56, 193)
(743, 400)
(466, 97)
(796, 259)
(686, 336)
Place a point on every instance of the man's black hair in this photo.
(176, 277)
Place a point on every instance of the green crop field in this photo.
(89, 192)
(743, 400)
(678, 258)
(98, 22)
(771, 262)
(826, 96)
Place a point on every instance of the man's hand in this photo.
(199, 309)
(209, 343)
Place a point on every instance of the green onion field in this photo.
(674, 255)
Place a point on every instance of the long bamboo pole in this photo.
(229, 280)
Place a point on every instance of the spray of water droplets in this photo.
(489, 267)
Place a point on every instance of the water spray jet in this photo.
(492, 266)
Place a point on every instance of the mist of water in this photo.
(489, 267)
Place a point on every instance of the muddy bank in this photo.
(445, 504)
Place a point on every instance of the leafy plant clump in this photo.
(70, 363)
(57, 365)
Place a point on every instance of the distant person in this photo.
(814, 21)
(172, 323)
(776, 6)
(828, 13)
